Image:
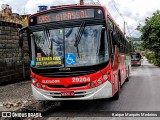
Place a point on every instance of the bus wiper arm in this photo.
(79, 36)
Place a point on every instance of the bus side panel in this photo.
(122, 69)
(115, 67)
(115, 82)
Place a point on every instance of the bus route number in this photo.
(44, 19)
(81, 79)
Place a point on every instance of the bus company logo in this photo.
(6, 114)
(51, 81)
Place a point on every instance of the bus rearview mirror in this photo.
(115, 37)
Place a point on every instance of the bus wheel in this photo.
(116, 96)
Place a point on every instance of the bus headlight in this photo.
(105, 77)
(37, 84)
(33, 80)
(99, 81)
(43, 86)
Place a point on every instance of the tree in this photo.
(151, 34)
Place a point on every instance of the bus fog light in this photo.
(43, 86)
(92, 84)
(99, 81)
(33, 80)
(105, 77)
(37, 84)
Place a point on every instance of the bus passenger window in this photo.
(103, 51)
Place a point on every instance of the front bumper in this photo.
(102, 91)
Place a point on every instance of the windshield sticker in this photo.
(70, 59)
(39, 55)
(32, 63)
(48, 61)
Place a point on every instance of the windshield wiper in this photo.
(79, 36)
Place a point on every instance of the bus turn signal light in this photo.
(92, 84)
(33, 80)
(43, 86)
(37, 84)
(105, 77)
(99, 81)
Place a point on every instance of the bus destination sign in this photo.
(65, 15)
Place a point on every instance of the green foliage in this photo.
(152, 58)
(135, 43)
(132, 48)
(151, 32)
(136, 46)
(151, 36)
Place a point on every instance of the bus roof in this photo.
(107, 14)
(65, 7)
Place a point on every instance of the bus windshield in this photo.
(135, 56)
(57, 48)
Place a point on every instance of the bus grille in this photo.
(65, 74)
(69, 96)
(70, 86)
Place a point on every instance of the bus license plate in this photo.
(67, 93)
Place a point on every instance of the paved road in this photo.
(14, 93)
(141, 93)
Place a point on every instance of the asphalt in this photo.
(16, 91)
(13, 96)
(141, 93)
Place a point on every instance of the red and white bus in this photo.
(136, 58)
(77, 52)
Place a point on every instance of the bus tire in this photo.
(116, 95)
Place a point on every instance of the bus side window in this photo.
(110, 32)
(111, 29)
(110, 25)
(102, 48)
(104, 45)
